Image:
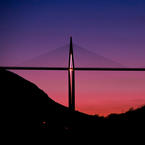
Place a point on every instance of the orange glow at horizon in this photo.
(96, 92)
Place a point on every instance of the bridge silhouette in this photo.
(71, 73)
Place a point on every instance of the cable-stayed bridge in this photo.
(71, 68)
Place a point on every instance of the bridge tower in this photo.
(71, 78)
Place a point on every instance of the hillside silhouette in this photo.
(25, 107)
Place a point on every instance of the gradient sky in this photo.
(112, 28)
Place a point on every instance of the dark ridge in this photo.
(26, 108)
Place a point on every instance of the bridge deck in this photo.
(77, 68)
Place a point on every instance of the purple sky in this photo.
(111, 28)
(114, 28)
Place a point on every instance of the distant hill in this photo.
(25, 107)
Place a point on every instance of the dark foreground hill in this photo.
(26, 108)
